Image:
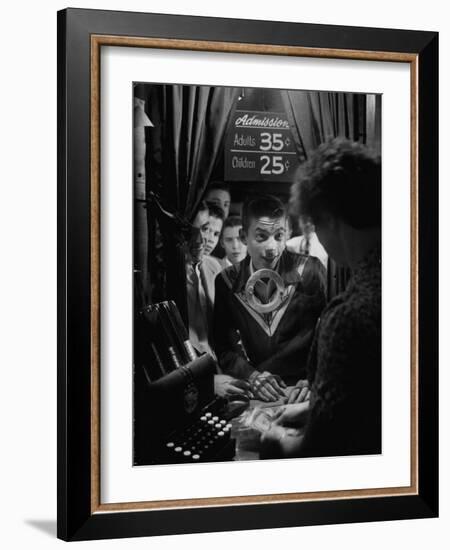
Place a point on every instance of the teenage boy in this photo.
(231, 241)
(218, 193)
(269, 349)
(201, 270)
(216, 217)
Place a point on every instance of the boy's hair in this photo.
(215, 211)
(232, 221)
(218, 185)
(202, 207)
(342, 178)
(263, 205)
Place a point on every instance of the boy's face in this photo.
(235, 249)
(266, 240)
(215, 227)
(221, 198)
(199, 235)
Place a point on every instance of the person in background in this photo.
(340, 189)
(308, 242)
(201, 271)
(216, 217)
(268, 349)
(218, 193)
(231, 240)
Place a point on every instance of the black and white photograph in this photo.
(201, 347)
(256, 274)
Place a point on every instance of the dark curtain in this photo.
(315, 117)
(181, 150)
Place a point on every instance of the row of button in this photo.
(201, 440)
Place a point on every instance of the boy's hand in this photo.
(227, 386)
(267, 386)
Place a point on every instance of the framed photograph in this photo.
(247, 274)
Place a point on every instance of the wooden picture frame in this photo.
(81, 35)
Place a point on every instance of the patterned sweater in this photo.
(245, 340)
(345, 369)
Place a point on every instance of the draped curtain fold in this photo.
(315, 117)
(182, 149)
(318, 116)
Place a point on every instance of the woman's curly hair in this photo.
(341, 178)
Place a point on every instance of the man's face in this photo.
(215, 227)
(306, 225)
(199, 235)
(266, 240)
(235, 249)
(221, 198)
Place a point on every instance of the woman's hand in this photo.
(285, 436)
(279, 442)
(294, 415)
(299, 393)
